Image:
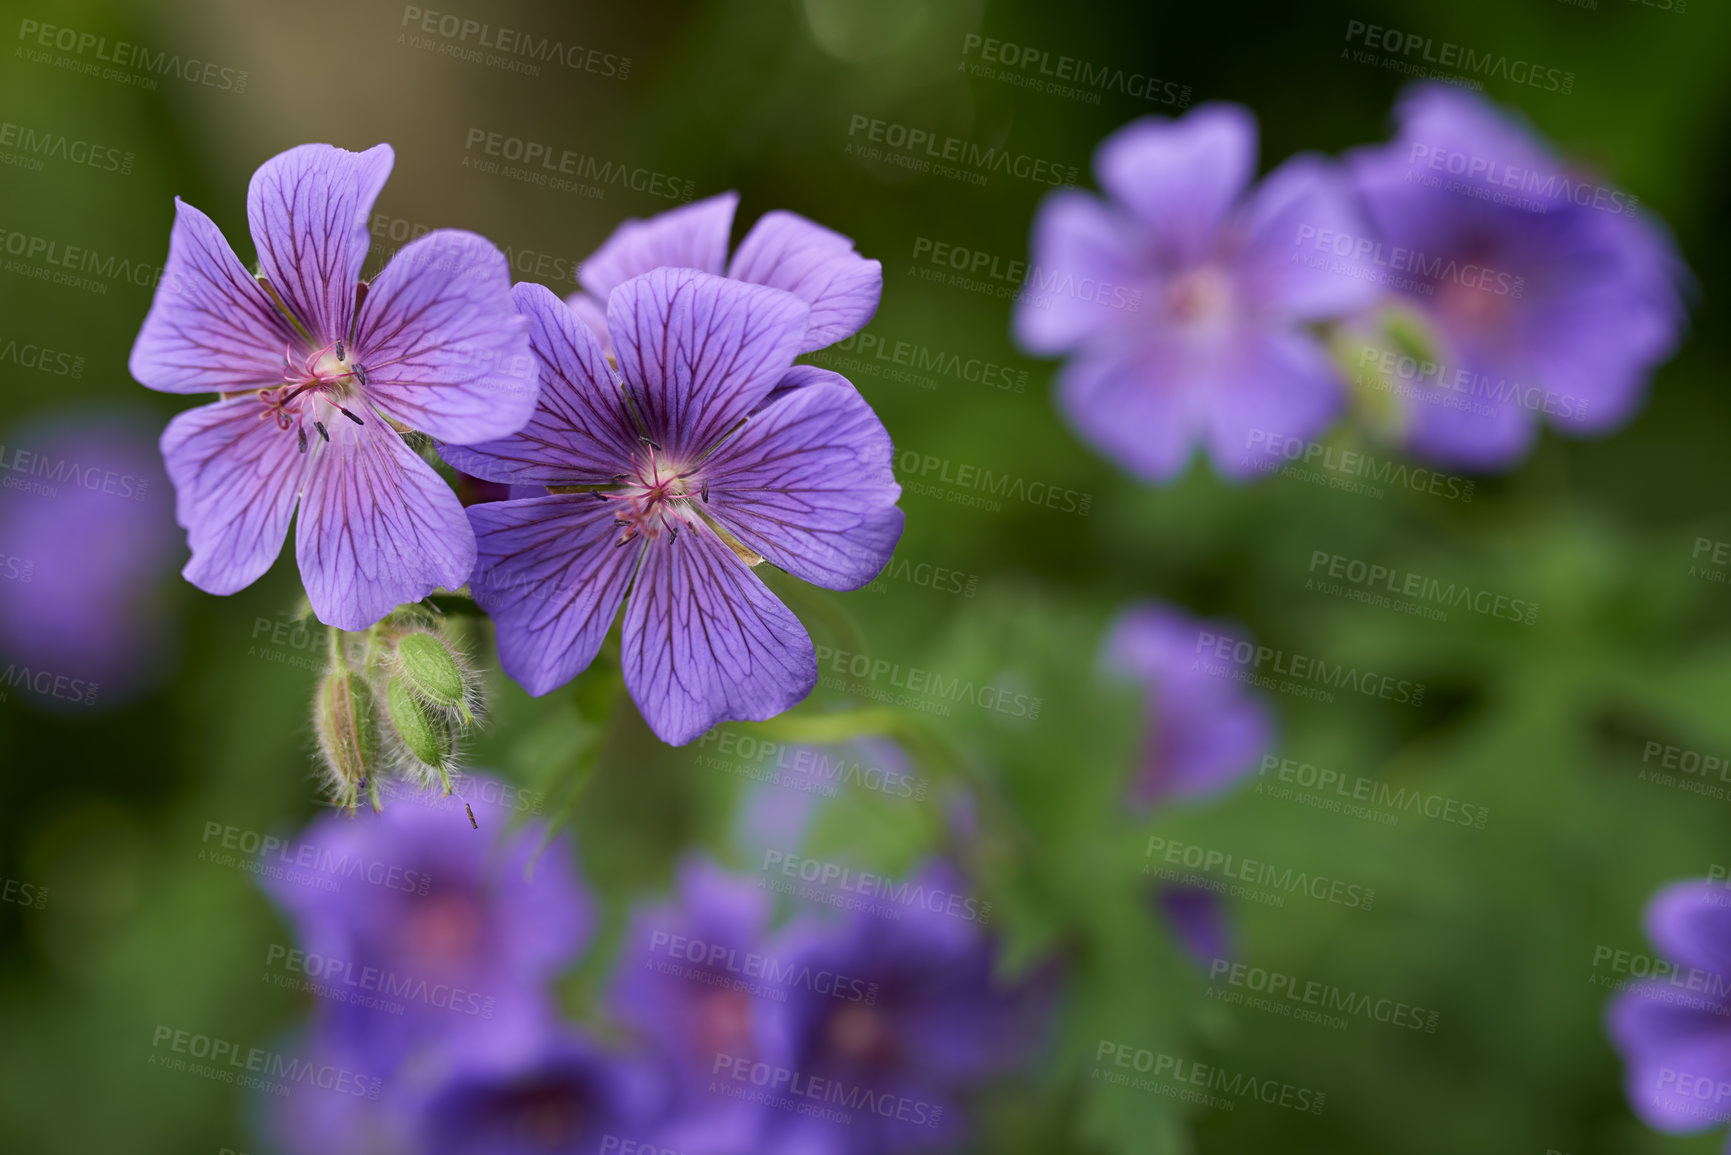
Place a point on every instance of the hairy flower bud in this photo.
(431, 669)
(348, 737)
(427, 741)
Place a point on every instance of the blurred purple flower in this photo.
(1675, 1033)
(86, 535)
(712, 454)
(1203, 732)
(432, 915)
(315, 369)
(939, 1023)
(1543, 293)
(783, 250)
(1178, 298)
(1197, 916)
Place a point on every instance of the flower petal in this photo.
(706, 642)
(593, 314)
(442, 345)
(550, 574)
(236, 479)
(700, 352)
(580, 431)
(692, 236)
(378, 527)
(1123, 409)
(1078, 240)
(1180, 177)
(819, 266)
(1277, 382)
(1287, 261)
(211, 328)
(308, 210)
(809, 484)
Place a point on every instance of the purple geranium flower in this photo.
(1197, 917)
(1675, 1034)
(1178, 298)
(1203, 732)
(86, 537)
(437, 918)
(1543, 293)
(712, 454)
(318, 372)
(939, 1023)
(783, 250)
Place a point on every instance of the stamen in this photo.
(705, 491)
(339, 348)
(320, 426)
(645, 439)
(301, 430)
(349, 415)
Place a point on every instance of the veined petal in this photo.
(210, 329)
(706, 642)
(1180, 177)
(700, 352)
(444, 350)
(580, 430)
(819, 266)
(378, 527)
(551, 575)
(236, 479)
(308, 210)
(809, 484)
(692, 236)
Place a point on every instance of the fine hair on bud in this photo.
(419, 651)
(348, 737)
(421, 740)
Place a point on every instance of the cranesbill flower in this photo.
(709, 456)
(783, 250)
(940, 1022)
(1178, 299)
(1675, 1034)
(1543, 295)
(1203, 733)
(319, 373)
(434, 917)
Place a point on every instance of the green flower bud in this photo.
(425, 733)
(432, 669)
(348, 738)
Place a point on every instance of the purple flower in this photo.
(317, 372)
(567, 1099)
(86, 535)
(1675, 1034)
(435, 917)
(783, 250)
(1197, 916)
(1178, 300)
(937, 1023)
(1543, 293)
(1204, 732)
(712, 454)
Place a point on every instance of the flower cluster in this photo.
(671, 441)
(1191, 304)
(857, 1035)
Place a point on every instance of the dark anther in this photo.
(674, 530)
(350, 416)
(339, 348)
(705, 492)
(620, 522)
(360, 375)
(301, 429)
(320, 426)
(472, 821)
(649, 443)
(623, 540)
(619, 477)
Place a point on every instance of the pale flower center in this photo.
(1201, 297)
